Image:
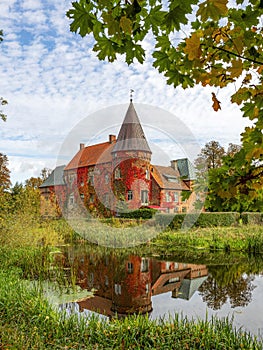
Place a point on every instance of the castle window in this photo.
(71, 199)
(106, 179)
(147, 288)
(147, 174)
(144, 265)
(144, 197)
(91, 179)
(91, 279)
(117, 173)
(130, 267)
(176, 197)
(91, 198)
(106, 199)
(167, 197)
(117, 288)
(106, 280)
(130, 195)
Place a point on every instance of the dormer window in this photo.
(171, 178)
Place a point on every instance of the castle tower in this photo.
(131, 156)
(131, 140)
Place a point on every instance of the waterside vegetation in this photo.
(28, 321)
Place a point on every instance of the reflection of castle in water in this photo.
(126, 285)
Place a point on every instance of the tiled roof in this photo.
(97, 304)
(91, 155)
(55, 178)
(131, 136)
(168, 178)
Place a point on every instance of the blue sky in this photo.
(53, 81)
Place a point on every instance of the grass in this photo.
(247, 239)
(27, 321)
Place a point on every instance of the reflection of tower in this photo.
(131, 161)
(133, 293)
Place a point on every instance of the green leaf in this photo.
(105, 49)
(248, 110)
(112, 24)
(82, 19)
(174, 18)
(161, 61)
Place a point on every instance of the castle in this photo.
(118, 175)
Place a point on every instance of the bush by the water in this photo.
(177, 221)
(252, 218)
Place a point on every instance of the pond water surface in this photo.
(123, 283)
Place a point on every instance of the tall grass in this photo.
(27, 321)
(247, 239)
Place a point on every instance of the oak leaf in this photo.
(216, 104)
(193, 48)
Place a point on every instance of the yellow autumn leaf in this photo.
(212, 9)
(236, 69)
(193, 48)
(238, 44)
(126, 25)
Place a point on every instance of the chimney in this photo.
(174, 164)
(112, 138)
(81, 146)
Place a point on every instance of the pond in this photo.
(123, 283)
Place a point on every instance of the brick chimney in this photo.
(174, 164)
(81, 146)
(112, 138)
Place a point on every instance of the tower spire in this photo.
(131, 92)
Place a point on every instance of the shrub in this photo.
(177, 221)
(252, 218)
(217, 219)
(145, 213)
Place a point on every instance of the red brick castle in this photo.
(118, 175)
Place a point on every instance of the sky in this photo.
(55, 85)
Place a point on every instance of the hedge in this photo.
(145, 213)
(177, 221)
(252, 218)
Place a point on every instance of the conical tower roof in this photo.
(131, 136)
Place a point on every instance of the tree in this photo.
(2, 100)
(45, 172)
(211, 156)
(5, 182)
(224, 46)
(233, 149)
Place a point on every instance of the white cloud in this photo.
(52, 80)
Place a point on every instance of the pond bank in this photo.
(28, 322)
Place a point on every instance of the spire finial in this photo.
(131, 92)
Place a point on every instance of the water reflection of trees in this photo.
(227, 283)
